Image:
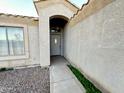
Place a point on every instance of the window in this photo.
(11, 41)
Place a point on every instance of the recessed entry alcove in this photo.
(57, 26)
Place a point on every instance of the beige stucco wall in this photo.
(96, 46)
(37, 33)
(32, 41)
(57, 8)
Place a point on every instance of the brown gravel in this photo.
(27, 80)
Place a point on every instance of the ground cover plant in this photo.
(90, 88)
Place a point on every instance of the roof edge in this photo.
(65, 0)
(21, 16)
(72, 4)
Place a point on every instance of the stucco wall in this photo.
(32, 42)
(96, 46)
(44, 29)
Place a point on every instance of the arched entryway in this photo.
(57, 26)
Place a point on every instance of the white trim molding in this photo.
(26, 43)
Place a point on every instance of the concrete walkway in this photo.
(61, 79)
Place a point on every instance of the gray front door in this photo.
(55, 46)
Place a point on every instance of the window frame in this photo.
(26, 43)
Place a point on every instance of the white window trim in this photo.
(26, 44)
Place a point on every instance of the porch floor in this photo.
(61, 79)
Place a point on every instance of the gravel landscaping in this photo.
(27, 80)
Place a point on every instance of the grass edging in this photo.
(90, 88)
(5, 69)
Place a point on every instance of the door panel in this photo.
(55, 46)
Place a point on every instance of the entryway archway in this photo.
(57, 25)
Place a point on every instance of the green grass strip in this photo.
(90, 88)
(5, 69)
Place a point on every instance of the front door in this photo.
(55, 46)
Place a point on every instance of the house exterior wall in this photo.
(37, 36)
(44, 29)
(96, 46)
(31, 39)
